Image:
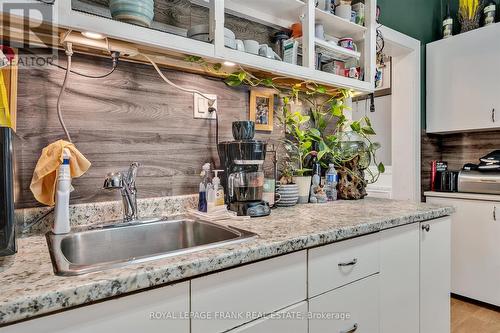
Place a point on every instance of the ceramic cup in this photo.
(344, 11)
(251, 46)
(319, 31)
(239, 45)
(348, 43)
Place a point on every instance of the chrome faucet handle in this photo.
(113, 181)
(132, 174)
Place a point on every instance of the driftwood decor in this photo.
(352, 185)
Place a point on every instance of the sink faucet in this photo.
(126, 184)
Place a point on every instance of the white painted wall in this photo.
(381, 121)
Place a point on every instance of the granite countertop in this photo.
(29, 287)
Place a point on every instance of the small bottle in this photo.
(331, 183)
(448, 23)
(211, 201)
(63, 189)
(219, 190)
(490, 13)
(202, 197)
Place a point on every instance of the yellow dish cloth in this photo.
(43, 183)
(4, 104)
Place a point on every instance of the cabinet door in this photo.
(158, 310)
(232, 297)
(290, 320)
(435, 276)
(462, 82)
(399, 279)
(475, 254)
(352, 308)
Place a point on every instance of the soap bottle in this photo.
(202, 197)
(219, 190)
(63, 189)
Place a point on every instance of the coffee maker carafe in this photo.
(243, 161)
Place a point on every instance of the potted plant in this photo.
(298, 145)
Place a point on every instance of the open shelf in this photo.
(334, 51)
(274, 13)
(339, 27)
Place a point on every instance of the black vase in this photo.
(243, 130)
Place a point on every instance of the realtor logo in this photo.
(29, 28)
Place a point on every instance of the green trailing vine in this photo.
(323, 128)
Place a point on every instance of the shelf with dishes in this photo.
(339, 27)
(208, 37)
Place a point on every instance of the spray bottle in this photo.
(61, 209)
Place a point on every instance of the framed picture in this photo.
(262, 109)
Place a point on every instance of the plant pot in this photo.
(139, 12)
(289, 195)
(304, 183)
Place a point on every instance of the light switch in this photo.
(200, 107)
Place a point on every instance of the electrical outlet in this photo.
(200, 107)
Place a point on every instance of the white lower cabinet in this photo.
(475, 249)
(149, 311)
(230, 298)
(352, 308)
(435, 276)
(290, 320)
(399, 279)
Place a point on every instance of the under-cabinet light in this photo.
(93, 35)
(229, 64)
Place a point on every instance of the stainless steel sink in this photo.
(123, 244)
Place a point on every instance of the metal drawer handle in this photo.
(494, 213)
(352, 329)
(426, 227)
(349, 263)
(493, 115)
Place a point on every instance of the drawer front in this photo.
(352, 308)
(224, 299)
(154, 311)
(338, 264)
(290, 320)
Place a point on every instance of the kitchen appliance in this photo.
(243, 161)
(7, 225)
(473, 181)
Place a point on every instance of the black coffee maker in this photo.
(243, 161)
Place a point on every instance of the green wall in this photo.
(420, 19)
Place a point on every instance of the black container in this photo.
(447, 181)
(7, 224)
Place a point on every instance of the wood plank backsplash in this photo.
(457, 149)
(129, 116)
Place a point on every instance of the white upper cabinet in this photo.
(169, 44)
(463, 82)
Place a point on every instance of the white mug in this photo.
(344, 11)
(266, 51)
(319, 31)
(239, 45)
(251, 46)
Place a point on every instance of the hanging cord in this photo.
(69, 53)
(114, 56)
(211, 101)
(213, 110)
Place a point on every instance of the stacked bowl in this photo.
(140, 12)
